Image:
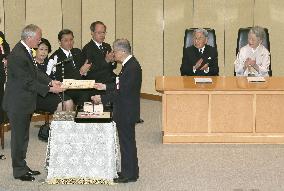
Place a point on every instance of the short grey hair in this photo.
(122, 44)
(258, 31)
(29, 31)
(204, 31)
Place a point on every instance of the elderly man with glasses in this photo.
(99, 55)
(200, 59)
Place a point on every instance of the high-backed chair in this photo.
(243, 40)
(188, 36)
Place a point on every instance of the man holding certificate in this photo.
(125, 96)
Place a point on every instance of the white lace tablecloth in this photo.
(82, 153)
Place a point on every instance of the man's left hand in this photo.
(56, 83)
(109, 56)
(96, 99)
(205, 67)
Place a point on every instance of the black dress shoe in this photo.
(122, 179)
(26, 177)
(140, 121)
(33, 172)
(2, 157)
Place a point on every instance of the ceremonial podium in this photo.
(81, 153)
(228, 110)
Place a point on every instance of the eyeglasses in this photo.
(198, 38)
(101, 33)
(116, 50)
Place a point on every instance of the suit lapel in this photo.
(26, 51)
(61, 55)
(97, 48)
(125, 66)
(31, 61)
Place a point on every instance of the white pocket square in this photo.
(209, 58)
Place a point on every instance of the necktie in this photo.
(102, 48)
(69, 56)
(200, 51)
(31, 53)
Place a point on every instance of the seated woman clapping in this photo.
(253, 59)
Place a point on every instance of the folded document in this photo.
(256, 79)
(203, 80)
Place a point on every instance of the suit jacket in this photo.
(191, 55)
(24, 82)
(126, 99)
(70, 71)
(4, 54)
(101, 71)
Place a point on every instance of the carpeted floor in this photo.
(191, 167)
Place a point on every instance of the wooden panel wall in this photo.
(39, 12)
(178, 15)
(93, 10)
(154, 28)
(71, 19)
(2, 15)
(14, 23)
(148, 40)
(270, 13)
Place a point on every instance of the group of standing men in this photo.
(96, 61)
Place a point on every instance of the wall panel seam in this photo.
(163, 37)
(4, 28)
(62, 14)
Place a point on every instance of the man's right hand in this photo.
(56, 90)
(100, 86)
(198, 64)
(85, 68)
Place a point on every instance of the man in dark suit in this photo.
(125, 96)
(71, 66)
(24, 82)
(200, 59)
(99, 55)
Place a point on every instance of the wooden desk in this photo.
(230, 110)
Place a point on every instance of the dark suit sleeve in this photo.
(78, 57)
(128, 82)
(111, 94)
(108, 49)
(213, 63)
(42, 77)
(22, 72)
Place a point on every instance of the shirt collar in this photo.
(254, 50)
(26, 46)
(202, 49)
(66, 52)
(126, 59)
(98, 45)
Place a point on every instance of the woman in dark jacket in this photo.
(4, 51)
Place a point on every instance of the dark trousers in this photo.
(20, 125)
(79, 96)
(1, 99)
(128, 149)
